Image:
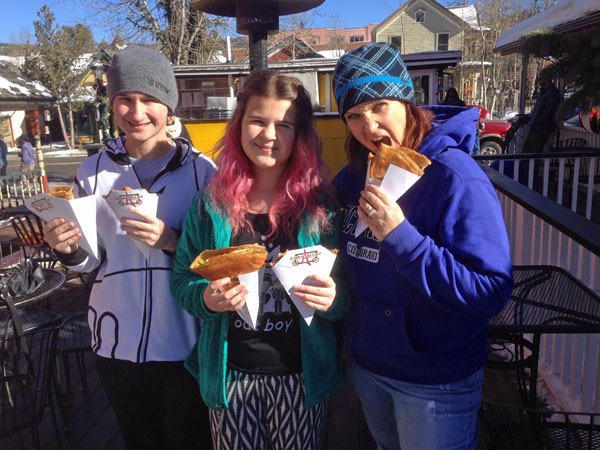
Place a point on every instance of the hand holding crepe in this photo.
(149, 230)
(73, 221)
(229, 262)
(391, 172)
(305, 272)
(136, 210)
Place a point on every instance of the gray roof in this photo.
(18, 93)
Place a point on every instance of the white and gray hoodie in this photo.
(131, 312)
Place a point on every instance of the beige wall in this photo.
(420, 37)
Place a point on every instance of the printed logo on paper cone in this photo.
(125, 199)
(305, 257)
(42, 204)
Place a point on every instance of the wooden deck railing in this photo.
(541, 231)
(15, 188)
(569, 178)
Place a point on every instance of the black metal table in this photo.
(545, 299)
(53, 281)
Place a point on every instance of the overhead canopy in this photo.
(229, 7)
(565, 16)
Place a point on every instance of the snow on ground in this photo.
(57, 149)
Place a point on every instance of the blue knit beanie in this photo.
(371, 72)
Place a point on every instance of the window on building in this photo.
(442, 41)
(313, 41)
(208, 87)
(360, 38)
(421, 86)
(193, 93)
(397, 41)
(420, 16)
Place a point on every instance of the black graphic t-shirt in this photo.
(274, 346)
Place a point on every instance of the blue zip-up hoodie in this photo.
(423, 296)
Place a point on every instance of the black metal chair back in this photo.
(569, 143)
(28, 228)
(26, 379)
(12, 253)
(74, 338)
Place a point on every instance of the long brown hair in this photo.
(418, 124)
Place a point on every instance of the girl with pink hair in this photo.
(266, 387)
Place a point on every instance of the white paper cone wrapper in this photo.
(253, 282)
(296, 266)
(120, 202)
(82, 211)
(395, 183)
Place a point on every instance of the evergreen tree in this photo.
(55, 61)
(573, 56)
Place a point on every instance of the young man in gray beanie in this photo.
(139, 334)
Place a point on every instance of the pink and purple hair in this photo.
(303, 185)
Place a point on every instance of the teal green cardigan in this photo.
(321, 369)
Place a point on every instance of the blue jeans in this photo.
(417, 416)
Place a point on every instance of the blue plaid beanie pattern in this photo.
(370, 72)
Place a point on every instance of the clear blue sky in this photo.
(18, 15)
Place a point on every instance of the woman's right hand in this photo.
(61, 235)
(218, 300)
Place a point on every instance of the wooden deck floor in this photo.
(93, 425)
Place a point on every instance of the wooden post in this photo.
(523, 92)
(40, 158)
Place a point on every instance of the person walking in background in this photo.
(27, 156)
(431, 269)
(542, 122)
(452, 98)
(3, 158)
(139, 335)
(267, 387)
(3, 163)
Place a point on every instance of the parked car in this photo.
(484, 114)
(492, 136)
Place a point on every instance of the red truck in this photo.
(492, 133)
(492, 136)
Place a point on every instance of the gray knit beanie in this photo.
(371, 72)
(141, 69)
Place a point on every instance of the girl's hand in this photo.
(380, 213)
(61, 235)
(150, 231)
(318, 292)
(218, 300)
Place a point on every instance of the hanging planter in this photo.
(590, 120)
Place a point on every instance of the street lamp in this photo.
(101, 102)
(257, 19)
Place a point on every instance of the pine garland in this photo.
(575, 57)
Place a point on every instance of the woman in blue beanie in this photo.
(431, 269)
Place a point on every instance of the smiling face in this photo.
(376, 121)
(268, 131)
(142, 118)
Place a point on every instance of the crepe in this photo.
(64, 192)
(402, 157)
